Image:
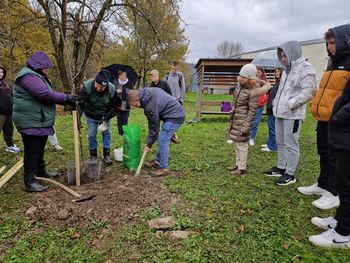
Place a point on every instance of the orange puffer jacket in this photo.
(331, 86)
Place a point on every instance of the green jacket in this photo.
(97, 104)
(27, 111)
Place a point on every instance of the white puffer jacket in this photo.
(297, 85)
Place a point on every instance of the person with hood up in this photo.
(6, 101)
(34, 111)
(100, 102)
(331, 86)
(337, 234)
(297, 86)
(159, 106)
(243, 114)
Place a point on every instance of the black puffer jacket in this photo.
(339, 123)
(272, 95)
(5, 95)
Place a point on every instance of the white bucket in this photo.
(118, 154)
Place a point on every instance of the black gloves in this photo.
(71, 99)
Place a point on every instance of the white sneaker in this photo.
(13, 149)
(266, 149)
(57, 147)
(326, 201)
(312, 190)
(251, 142)
(263, 145)
(330, 238)
(324, 223)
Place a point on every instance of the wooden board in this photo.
(8, 175)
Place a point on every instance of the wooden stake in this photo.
(76, 148)
(14, 169)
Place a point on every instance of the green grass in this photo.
(238, 219)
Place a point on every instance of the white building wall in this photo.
(315, 53)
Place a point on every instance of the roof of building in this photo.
(302, 43)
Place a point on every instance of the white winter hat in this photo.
(248, 71)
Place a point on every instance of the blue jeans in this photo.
(92, 132)
(167, 131)
(271, 141)
(257, 120)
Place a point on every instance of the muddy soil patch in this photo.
(119, 199)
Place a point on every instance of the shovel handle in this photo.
(140, 164)
(73, 193)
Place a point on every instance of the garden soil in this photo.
(119, 199)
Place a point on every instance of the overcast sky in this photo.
(258, 23)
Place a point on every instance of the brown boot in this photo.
(175, 139)
(152, 164)
(237, 172)
(159, 173)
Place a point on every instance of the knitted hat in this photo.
(102, 77)
(248, 71)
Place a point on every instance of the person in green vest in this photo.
(34, 108)
(99, 101)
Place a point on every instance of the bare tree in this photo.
(227, 49)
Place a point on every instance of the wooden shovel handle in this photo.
(76, 148)
(73, 193)
(140, 164)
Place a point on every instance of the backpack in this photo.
(180, 80)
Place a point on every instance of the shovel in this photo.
(79, 197)
(138, 171)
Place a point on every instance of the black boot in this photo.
(106, 157)
(93, 156)
(31, 185)
(41, 172)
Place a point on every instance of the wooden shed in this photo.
(215, 74)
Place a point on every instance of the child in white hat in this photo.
(243, 114)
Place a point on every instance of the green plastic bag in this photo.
(132, 145)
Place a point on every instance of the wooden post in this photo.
(199, 95)
(76, 148)
(14, 169)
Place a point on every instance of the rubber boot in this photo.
(31, 185)
(93, 156)
(106, 157)
(41, 172)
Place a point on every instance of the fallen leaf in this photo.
(76, 235)
(241, 228)
(286, 246)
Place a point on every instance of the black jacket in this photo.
(272, 94)
(124, 94)
(339, 123)
(162, 85)
(6, 100)
(159, 106)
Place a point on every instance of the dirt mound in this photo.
(119, 199)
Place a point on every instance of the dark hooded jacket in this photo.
(334, 78)
(339, 122)
(159, 106)
(5, 95)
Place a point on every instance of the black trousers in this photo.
(34, 148)
(122, 119)
(326, 179)
(6, 126)
(342, 174)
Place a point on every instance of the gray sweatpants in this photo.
(287, 138)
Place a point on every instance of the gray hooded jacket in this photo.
(297, 85)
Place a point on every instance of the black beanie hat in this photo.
(102, 77)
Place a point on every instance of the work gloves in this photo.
(71, 99)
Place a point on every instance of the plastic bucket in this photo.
(118, 154)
